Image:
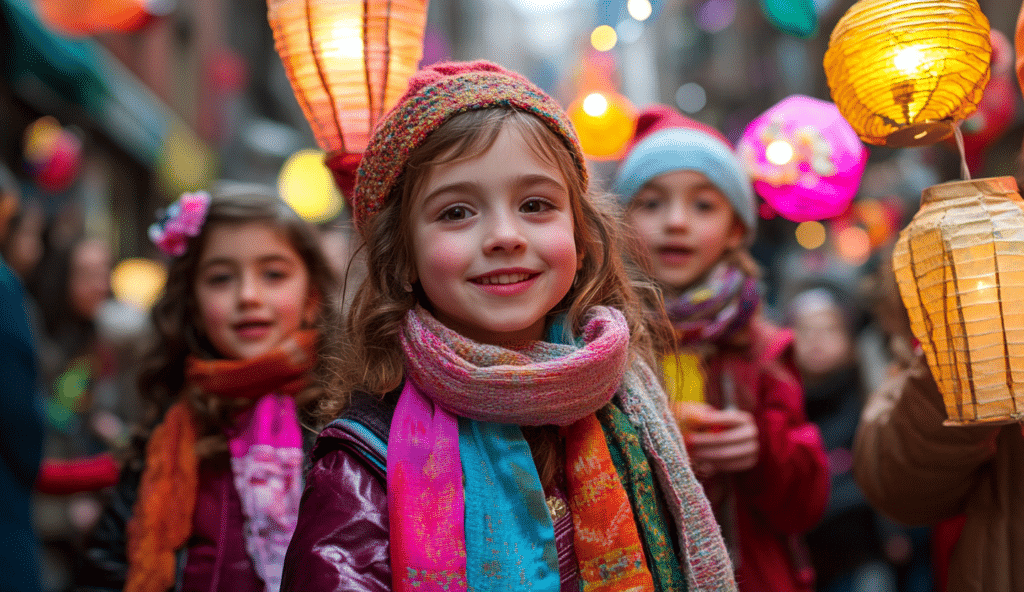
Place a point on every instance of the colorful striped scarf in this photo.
(714, 309)
(451, 377)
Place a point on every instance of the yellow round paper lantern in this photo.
(604, 122)
(904, 72)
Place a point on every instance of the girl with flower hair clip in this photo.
(499, 426)
(211, 499)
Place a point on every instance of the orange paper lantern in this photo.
(349, 61)
(960, 269)
(903, 73)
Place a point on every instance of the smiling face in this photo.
(686, 224)
(252, 289)
(492, 241)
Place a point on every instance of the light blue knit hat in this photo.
(667, 141)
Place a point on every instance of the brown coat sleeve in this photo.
(910, 466)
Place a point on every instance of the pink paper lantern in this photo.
(804, 158)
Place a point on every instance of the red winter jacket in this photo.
(784, 495)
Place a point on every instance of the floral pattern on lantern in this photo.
(903, 73)
(349, 61)
(960, 269)
(804, 158)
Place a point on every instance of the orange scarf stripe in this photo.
(608, 547)
(157, 528)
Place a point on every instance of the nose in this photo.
(504, 233)
(677, 217)
(249, 289)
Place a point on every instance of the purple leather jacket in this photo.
(341, 541)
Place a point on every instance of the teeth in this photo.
(505, 278)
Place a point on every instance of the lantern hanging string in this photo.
(965, 172)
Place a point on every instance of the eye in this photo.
(218, 278)
(454, 213)
(646, 202)
(275, 274)
(535, 205)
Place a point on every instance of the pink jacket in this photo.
(786, 492)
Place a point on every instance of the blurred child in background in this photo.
(739, 399)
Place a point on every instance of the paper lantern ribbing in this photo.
(349, 61)
(960, 269)
(805, 159)
(904, 72)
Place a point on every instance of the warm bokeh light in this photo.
(138, 282)
(604, 122)
(853, 245)
(305, 183)
(810, 235)
(604, 38)
(779, 152)
(639, 9)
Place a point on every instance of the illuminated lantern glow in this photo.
(804, 158)
(960, 270)
(305, 183)
(604, 122)
(91, 17)
(138, 282)
(348, 62)
(899, 74)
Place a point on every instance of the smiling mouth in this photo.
(502, 279)
(251, 326)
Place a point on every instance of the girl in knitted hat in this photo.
(212, 501)
(735, 391)
(500, 428)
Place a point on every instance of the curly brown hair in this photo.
(176, 336)
(367, 354)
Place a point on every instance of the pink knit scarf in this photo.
(539, 384)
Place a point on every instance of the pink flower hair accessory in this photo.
(181, 220)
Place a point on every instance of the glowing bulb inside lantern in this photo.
(346, 42)
(779, 152)
(639, 9)
(909, 59)
(595, 105)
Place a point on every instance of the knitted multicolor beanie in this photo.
(435, 95)
(666, 141)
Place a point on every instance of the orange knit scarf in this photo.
(162, 518)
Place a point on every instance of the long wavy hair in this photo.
(176, 334)
(368, 357)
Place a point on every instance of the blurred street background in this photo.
(104, 119)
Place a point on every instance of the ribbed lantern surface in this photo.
(348, 61)
(960, 269)
(902, 72)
